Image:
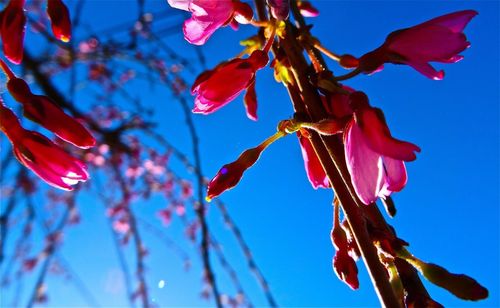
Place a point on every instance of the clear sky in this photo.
(449, 211)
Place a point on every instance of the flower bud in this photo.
(348, 61)
(346, 269)
(279, 8)
(306, 9)
(12, 30)
(229, 175)
(59, 19)
(243, 13)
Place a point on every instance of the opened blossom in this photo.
(12, 30)
(59, 19)
(208, 16)
(47, 160)
(217, 87)
(374, 158)
(438, 40)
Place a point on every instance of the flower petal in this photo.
(362, 163)
(392, 176)
(314, 169)
(378, 137)
(250, 101)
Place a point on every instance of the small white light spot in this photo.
(161, 284)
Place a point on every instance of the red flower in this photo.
(217, 87)
(45, 112)
(437, 40)
(60, 20)
(40, 155)
(12, 28)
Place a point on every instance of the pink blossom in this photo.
(47, 160)
(437, 40)
(208, 16)
(217, 87)
(374, 158)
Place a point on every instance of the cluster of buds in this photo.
(35, 151)
(335, 124)
(13, 26)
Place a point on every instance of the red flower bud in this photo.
(346, 269)
(45, 112)
(12, 29)
(348, 61)
(59, 19)
(229, 175)
(40, 155)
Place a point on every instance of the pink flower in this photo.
(45, 112)
(208, 16)
(217, 87)
(47, 160)
(374, 158)
(12, 29)
(59, 18)
(437, 40)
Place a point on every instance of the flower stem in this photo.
(327, 52)
(330, 153)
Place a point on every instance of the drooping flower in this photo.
(47, 160)
(208, 16)
(374, 158)
(59, 19)
(217, 87)
(12, 29)
(438, 40)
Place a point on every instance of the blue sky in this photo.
(449, 211)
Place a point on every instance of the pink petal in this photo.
(197, 32)
(456, 21)
(427, 70)
(314, 169)
(250, 101)
(378, 136)
(180, 4)
(362, 163)
(392, 176)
